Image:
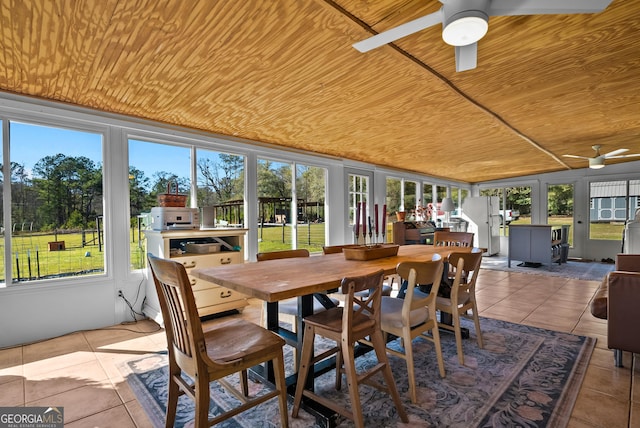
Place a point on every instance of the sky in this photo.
(30, 143)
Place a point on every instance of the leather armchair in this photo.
(618, 301)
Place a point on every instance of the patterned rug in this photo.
(590, 271)
(525, 377)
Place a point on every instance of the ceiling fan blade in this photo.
(634, 155)
(541, 7)
(576, 157)
(615, 153)
(399, 32)
(466, 57)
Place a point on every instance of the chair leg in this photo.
(381, 353)
(172, 402)
(339, 369)
(435, 333)
(294, 330)
(281, 385)
(202, 398)
(476, 321)
(408, 356)
(244, 383)
(303, 372)
(458, 333)
(352, 384)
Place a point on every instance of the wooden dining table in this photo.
(276, 280)
(305, 277)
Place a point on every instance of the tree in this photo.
(65, 185)
(393, 195)
(519, 198)
(560, 199)
(274, 179)
(221, 181)
(23, 197)
(310, 188)
(139, 186)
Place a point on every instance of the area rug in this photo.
(590, 271)
(524, 376)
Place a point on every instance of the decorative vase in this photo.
(400, 215)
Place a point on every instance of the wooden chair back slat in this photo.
(282, 254)
(452, 239)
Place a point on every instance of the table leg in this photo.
(305, 307)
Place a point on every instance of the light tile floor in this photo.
(80, 371)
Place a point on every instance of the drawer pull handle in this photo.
(225, 294)
(190, 264)
(193, 282)
(226, 261)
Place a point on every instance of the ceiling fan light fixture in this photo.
(467, 29)
(596, 163)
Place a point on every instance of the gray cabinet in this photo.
(538, 243)
(190, 247)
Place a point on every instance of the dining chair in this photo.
(415, 315)
(452, 239)
(358, 319)
(404, 282)
(334, 249)
(466, 267)
(206, 356)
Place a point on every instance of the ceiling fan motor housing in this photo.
(465, 22)
(597, 162)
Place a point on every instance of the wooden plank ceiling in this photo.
(285, 73)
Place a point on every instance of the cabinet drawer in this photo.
(210, 260)
(198, 284)
(216, 296)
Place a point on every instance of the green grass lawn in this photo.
(33, 259)
(310, 236)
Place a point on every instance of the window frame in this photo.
(69, 124)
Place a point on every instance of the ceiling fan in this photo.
(464, 22)
(597, 161)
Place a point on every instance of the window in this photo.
(560, 206)
(275, 206)
(154, 168)
(220, 182)
(394, 195)
(310, 191)
(515, 205)
(611, 205)
(427, 194)
(56, 228)
(358, 194)
(410, 196)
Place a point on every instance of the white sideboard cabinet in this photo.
(190, 247)
(538, 243)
